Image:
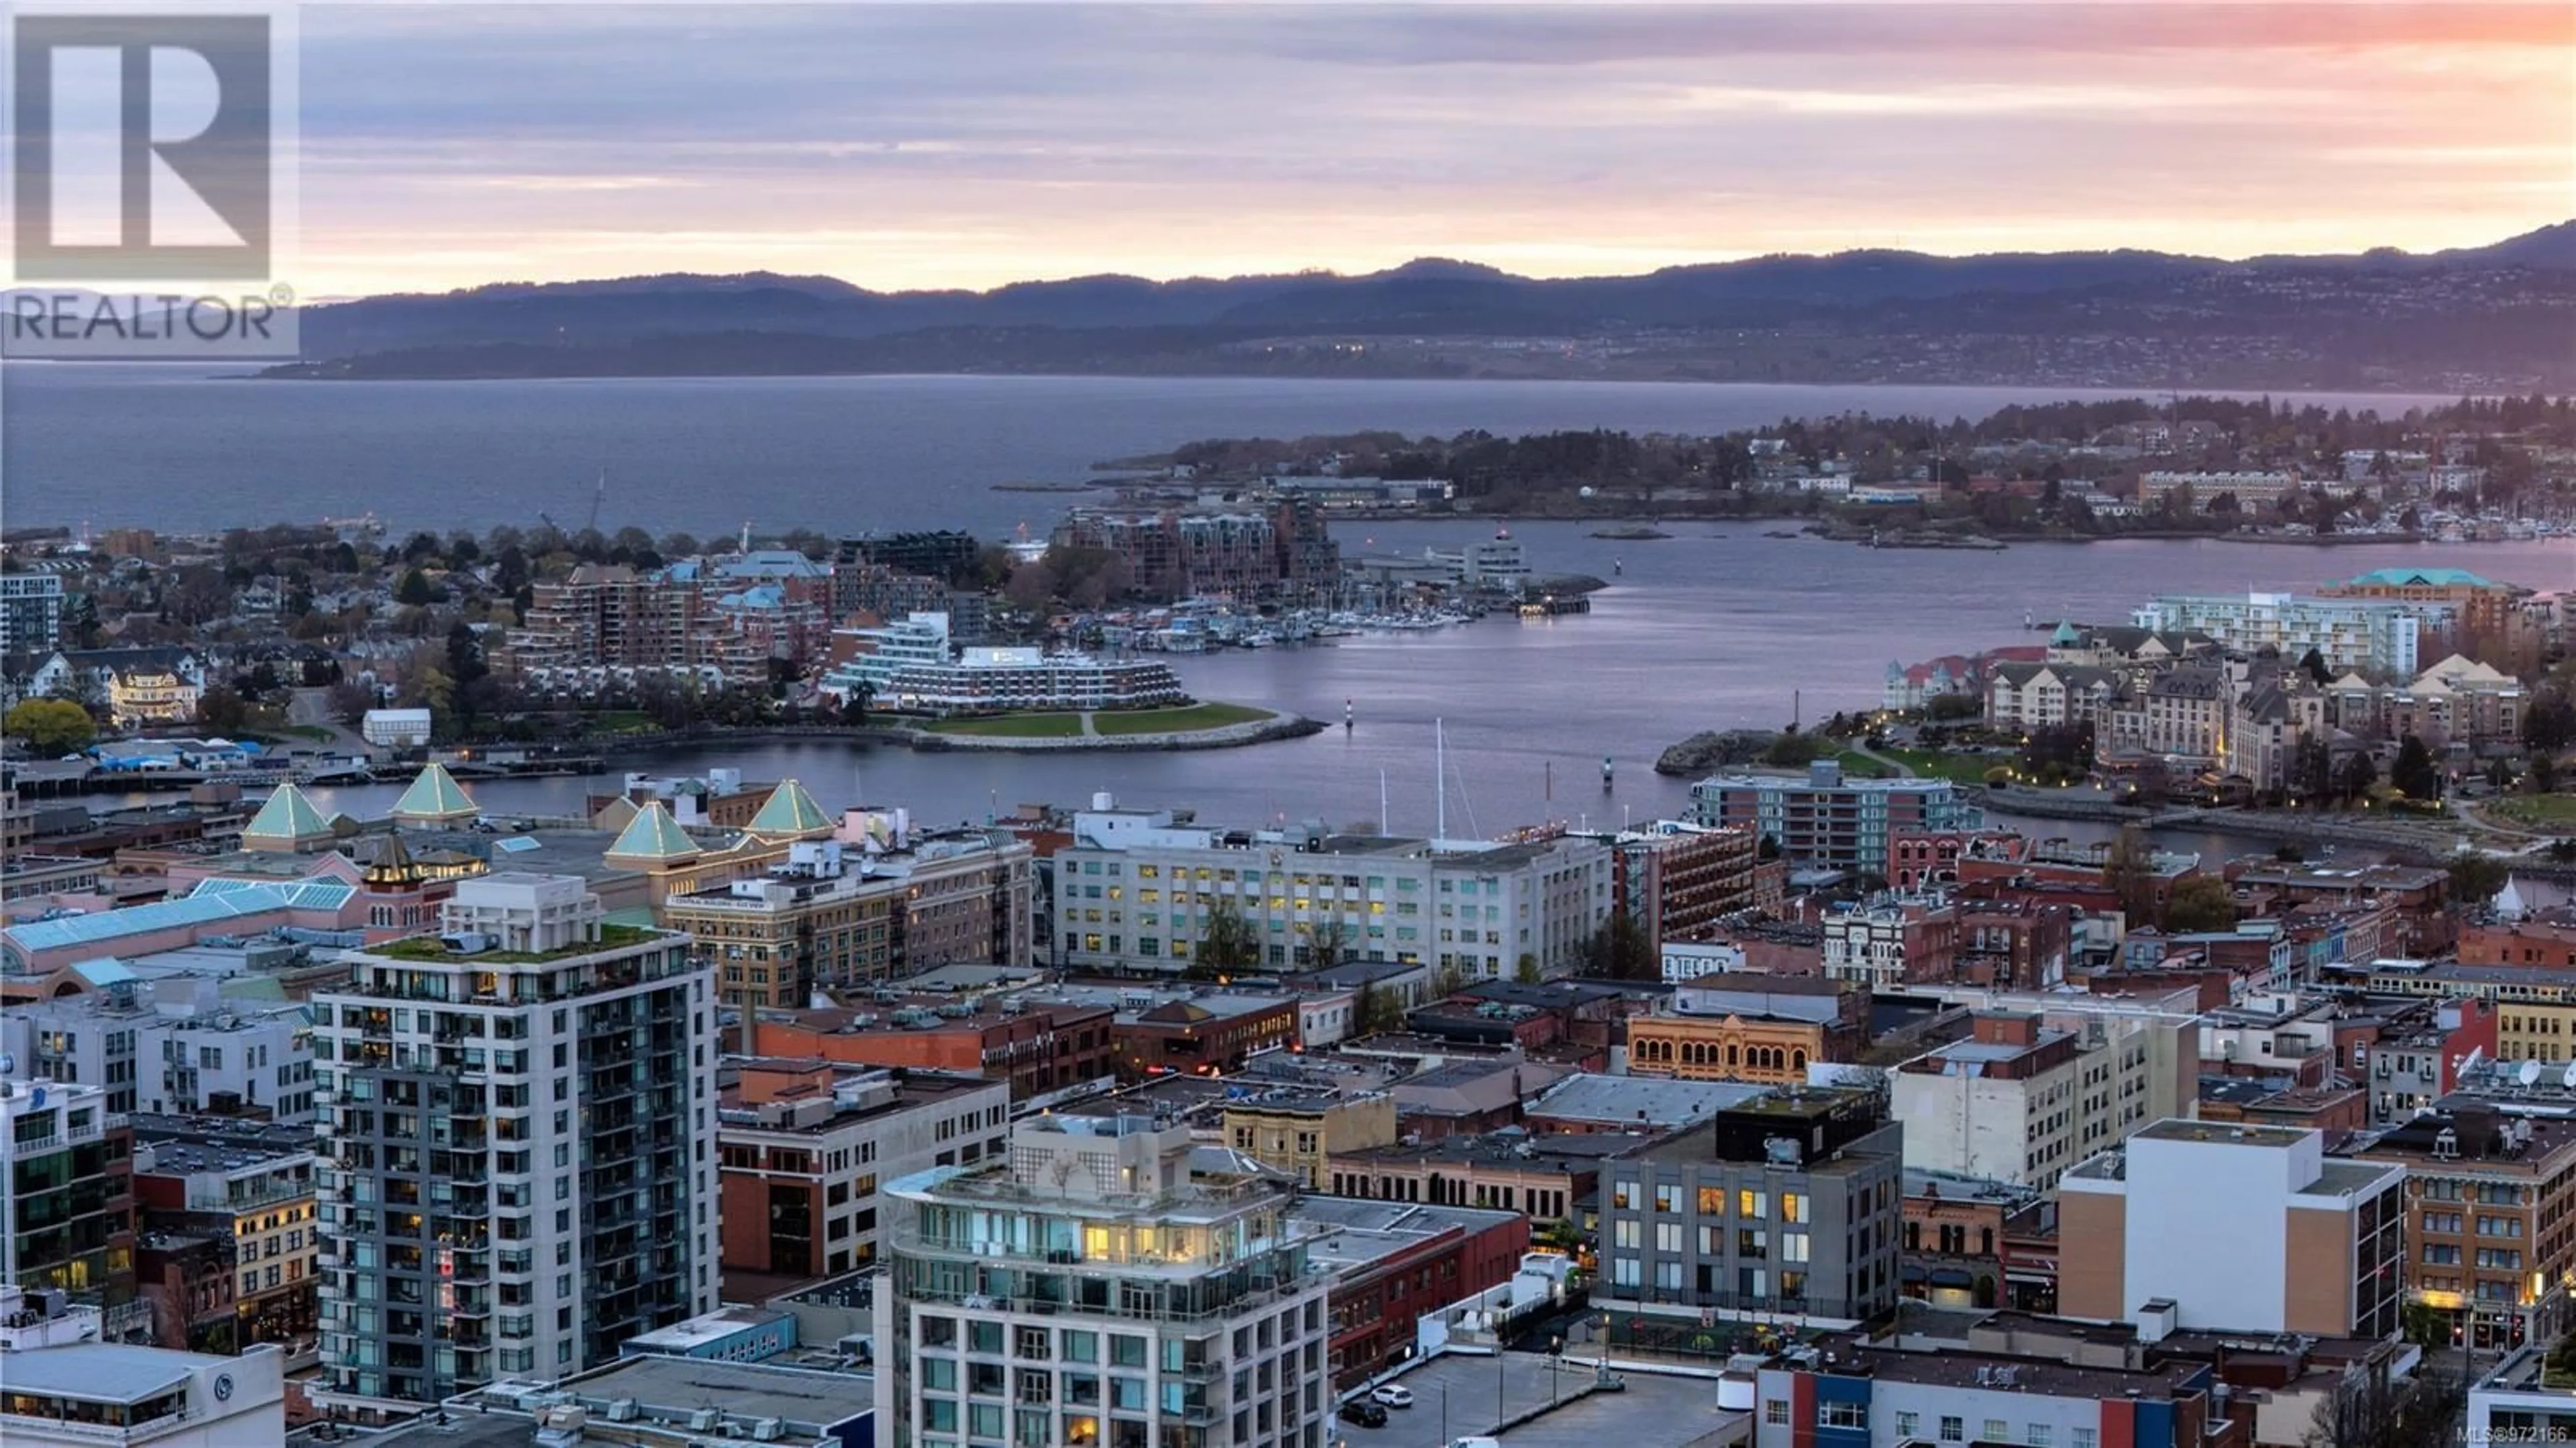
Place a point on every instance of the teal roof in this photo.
(288, 815)
(435, 795)
(105, 971)
(2065, 634)
(2424, 578)
(790, 811)
(653, 835)
(211, 902)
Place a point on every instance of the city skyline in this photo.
(902, 146)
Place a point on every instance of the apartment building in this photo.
(247, 1188)
(67, 1198)
(2181, 716)
(1104, 1283)
(1396, 1264)
(1136, 889)
(519, 1120)
(2384, 637)
(175, 1044)
(1547, 1177)
(2491, 1216)
(2031, 1092)
(68, 1389)
(1829, 822)
(1790, 1204)
(605, 623)
(831, 917)
(2237, 1228)
(31, 612)
(2492, 625)
(802, 1147)
(1735, 1027)
(2049, 696)
(1678, 880)
(1258, 547)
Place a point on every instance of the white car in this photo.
(1393, 1395)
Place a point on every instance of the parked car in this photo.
(1393, 1395)
(1364, 1412)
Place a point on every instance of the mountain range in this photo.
(2499, 316)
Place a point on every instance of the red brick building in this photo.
(1395, 1264)
(1038, 1047)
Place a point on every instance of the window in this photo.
(1842, 1415)
(1667, 1197)
(1793, 1207)
(1775, 1411)
(1623, 1195)
(1997, 1431)
(1909, 1424)
(2037, 1436)
(1628, 1233)
(1623, 1271)
(2082, 1438)
(1954, 1430)
(1712, 1201)
(1752, 1204)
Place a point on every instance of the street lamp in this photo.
(1555, 1361)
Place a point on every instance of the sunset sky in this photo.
(971, 145)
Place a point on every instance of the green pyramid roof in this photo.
(790, 811)
(653, 835)
(435, 795)
(288, 818)
(2065, 634)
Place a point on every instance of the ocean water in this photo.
(170, 447)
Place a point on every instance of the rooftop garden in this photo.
(431, 949)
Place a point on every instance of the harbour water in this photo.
(1711, 629)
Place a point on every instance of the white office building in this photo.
(519, 1126)
(1110, 1284)
(1136, 888)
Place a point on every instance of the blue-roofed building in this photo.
(2489, 620)
(35, 950)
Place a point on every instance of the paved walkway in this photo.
(1902, 770)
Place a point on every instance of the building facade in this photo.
(1829, 822)
(520, 1120)
(1136, 891)
(2377, 636)
(67, 1198)
(1786, 1205)
(1106, 1283)
(2028, 1095)
(2241, 1228)
(803, 1147)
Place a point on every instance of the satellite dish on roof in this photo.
(2529, 1073)
(2470, 1061)
(2567, 1078)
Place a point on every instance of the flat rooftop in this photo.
(1645, 1100)
(1349, 1232)
(675, 1386)
(705, 1328)
(2231, 1132)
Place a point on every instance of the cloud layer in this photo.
(977, 144)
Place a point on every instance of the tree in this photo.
(414, 590)
(2369, 1411)
(223, 709)
(1526, 971)
(2314, 663)
(2359, 773)
(1227, 943)
(2415, 774)
(50, 726)
(1328, 944)
(2549, 725)
(1619, 950)
(2476, 879)
(2201, 903)
(1376, 1010)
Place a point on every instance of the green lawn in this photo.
(1857, 765)
(1941, 764)
(1012, 726)
(1176, 721)
(2541, 811)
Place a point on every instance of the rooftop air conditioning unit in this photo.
(621, 1410)
(702, 1420)
(768, 1430)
